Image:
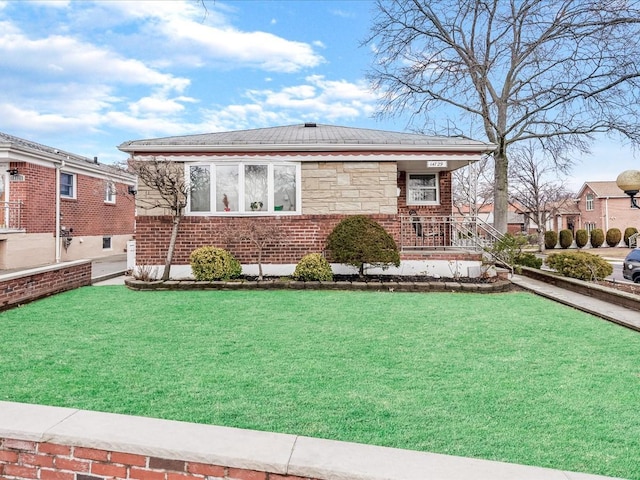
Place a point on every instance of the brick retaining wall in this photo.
(54, 443)
(27, 285)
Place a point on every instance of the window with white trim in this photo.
(244, 187)
(110, 192)
(589, 201)
(67, 185)
(106, 243)
(589, 227)
(422, 189)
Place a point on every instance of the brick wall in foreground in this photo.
(21, 459)
(28, 285)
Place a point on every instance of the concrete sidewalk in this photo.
(109, 270)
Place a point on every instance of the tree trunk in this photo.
(172, 247)
(500, 193)
(260, 262)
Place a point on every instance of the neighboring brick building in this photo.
(57, 206)
(603, 205)
(305, 179)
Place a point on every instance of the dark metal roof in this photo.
(307, 135)
(58, 155)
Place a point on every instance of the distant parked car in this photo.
(631, 266)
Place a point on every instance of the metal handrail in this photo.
(425, 232)
(11, 215)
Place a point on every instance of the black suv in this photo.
(631, 266)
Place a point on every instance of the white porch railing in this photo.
(421, 232)
(11, 215)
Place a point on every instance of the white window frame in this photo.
(74, 185)
(110, 192)
(589, 227)
(240, 211)
(436, 188)
(589, 200)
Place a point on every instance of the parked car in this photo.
(631, 266)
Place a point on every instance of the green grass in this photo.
(509, 377)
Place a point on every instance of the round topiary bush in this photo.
(597, 237)
(580, 265)
(359, 240)
(550, 239)
(582, 237)
(566, 238)
(212, 263)
(629, 231)
(313, 267)
(614, 236)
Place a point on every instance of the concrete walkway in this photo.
(599, 308)
(109, 270)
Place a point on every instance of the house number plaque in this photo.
(436, 164)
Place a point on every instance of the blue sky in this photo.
(85, 76)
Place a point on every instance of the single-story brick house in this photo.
(305, 179)
(58, 206)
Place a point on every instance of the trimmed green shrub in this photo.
(566, 238)
(627, 233)
(528, 260)
(313, 267)
(580, 265)
(582, 237)
(613, 237)
(550, 239)
(212, 263)
(359, 240)
(597, 237)
(508, 248)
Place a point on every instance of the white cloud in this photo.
(60, 57)
(201, 37)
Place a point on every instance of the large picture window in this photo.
(422, 189)
(244, 187)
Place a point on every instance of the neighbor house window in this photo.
(422, 189)
(110, 193)
(589, 227)
(67, 185)
(589, 201)
(244, 187)
(106, 243)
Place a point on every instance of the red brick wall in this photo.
(22, 289)
(87, 214)
(21, 459)
(300, 235)
(445, 208)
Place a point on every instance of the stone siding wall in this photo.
(349, 188)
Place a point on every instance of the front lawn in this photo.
(509, 377)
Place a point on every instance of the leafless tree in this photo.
(472, 187)
(259, 233)
(559, 72)
(169, 190)
(536, 187)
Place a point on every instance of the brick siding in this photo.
(88, 214)
(22, 459)
(19, 288)
(301, 235)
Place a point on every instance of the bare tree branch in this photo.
(556, 72)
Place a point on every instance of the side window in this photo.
(110, 193)
(589, 201)
(67, 185)
(106, 243)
